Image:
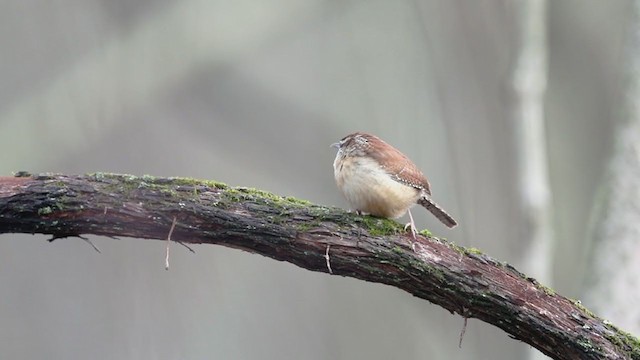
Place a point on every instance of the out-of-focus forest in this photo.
(516, 110)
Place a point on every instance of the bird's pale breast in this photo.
(370, 189)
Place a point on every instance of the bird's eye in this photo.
(361, 140)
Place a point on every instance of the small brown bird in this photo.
(378, 179)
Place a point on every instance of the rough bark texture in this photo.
(463, 281)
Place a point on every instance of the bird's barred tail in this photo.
(437, 211)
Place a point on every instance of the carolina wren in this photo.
(378, 179)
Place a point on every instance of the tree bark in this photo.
(316, 238)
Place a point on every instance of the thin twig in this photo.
(166, 259)
(326, 256)
(464, 327)
(185, 245)
(55, 237)
(90, 243)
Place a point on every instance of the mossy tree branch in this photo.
(463, 281)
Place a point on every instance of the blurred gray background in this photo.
(252, 93)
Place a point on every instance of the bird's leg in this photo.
(359, 230)
(412, 225)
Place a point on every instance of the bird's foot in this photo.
(414, 232)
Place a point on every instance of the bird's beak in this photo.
(335, 145)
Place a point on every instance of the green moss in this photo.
(45, 210)
(232, 194)
(621, 339)
(547, 290)
(261, 195)
(398, 250)
(472, 250)
(166, 186)
(579, 305)
(624, 340)
(425, 232)
(379, 226)
(185, 181)
(125, 183)
(427, 269)
(585, 343)
(242, 194)
(316, 216)
(168, 192)
(463, 250)
(304, 227)
(297, 201)
(126, 177)
(102, 176)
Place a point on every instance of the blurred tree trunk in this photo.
(529, 83)
(612, 281)
(529, 86)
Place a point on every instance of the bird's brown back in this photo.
(403, 171)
